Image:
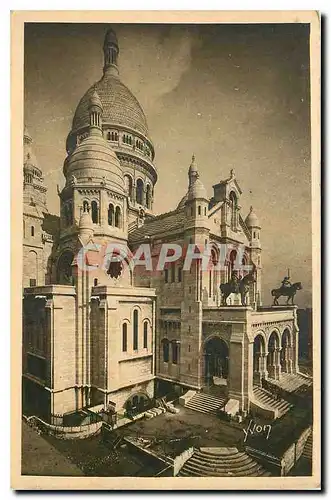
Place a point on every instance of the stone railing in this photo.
(185, 398)
(180, 460)
(62, 432)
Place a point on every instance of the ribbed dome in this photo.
(252, 219)
(120, 107)
(94, 158)
(197, 190)
(182, 202)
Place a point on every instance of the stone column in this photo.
(264, 369)
(276, 362)
(275, 368)
(288, 358)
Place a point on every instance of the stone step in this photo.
(209, 397)
(206, 402)
(250, 469)
(220, 459)
(221, 465)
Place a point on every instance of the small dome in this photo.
(197, 190)
(182, 202)
(94, 158)
(252, 219)
(85, 221)
(95, 100)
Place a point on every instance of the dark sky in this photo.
(235, 95)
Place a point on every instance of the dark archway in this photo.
(137, 403)
(216, 359)
(272, 358)
(258, 350)
(286, 352)
(64, 268)
(140, 192)
(148, 196)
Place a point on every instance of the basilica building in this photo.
(99, 331)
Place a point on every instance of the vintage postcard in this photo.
(166, 215)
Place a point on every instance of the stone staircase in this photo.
(308, 449)
(267, 400)
(205, 403)
(292, 382)
(226, 462)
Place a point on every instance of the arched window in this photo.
(124, 138)
(112, 136)
(145, 334)
(124, 337)
(165, 344)
(233, 207)
(108, 136)
(86, 207)
(199, 210)
(148, 196)
(94, 209)
(140, 191)
(111, 214)
(135, 330)
(32, 230)
(116, 136)
(205, 210)
(118, 217)
(129, 186)
(95, 281)
(175, 352)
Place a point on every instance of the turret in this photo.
(253, 224)
(85, 226)
(95, 113)
(196, 204)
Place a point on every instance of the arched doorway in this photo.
(137, 403)
(273, 358)
(259, 359)
(216, 359)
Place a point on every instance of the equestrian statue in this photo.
(236, 285)
(287, 289)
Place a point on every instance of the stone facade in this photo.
(97, 331)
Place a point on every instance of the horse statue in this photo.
(286, 291)
(242, 286)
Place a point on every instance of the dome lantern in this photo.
(110, 52)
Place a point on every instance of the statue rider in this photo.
(286, 282)
(235, 281)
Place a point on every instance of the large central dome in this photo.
(120, 107)
(123, 127)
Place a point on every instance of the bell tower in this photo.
(34, 209)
